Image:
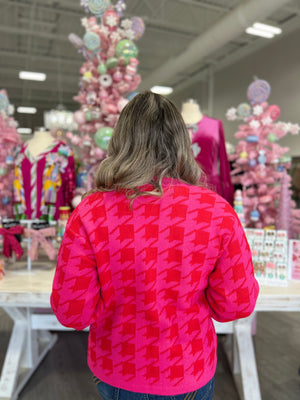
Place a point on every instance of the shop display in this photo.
(11, 233)
(41, 238)
(269, 250)
(294, 259)
(108, 80)
(261, 164)
(9, 141)
(208, 144)
(44, 178)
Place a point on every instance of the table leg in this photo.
(241, 356)
(25, 351)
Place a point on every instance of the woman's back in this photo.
(148, 279)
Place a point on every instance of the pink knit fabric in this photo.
(148, 280)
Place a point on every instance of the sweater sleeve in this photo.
(75, 297)
(232, 288)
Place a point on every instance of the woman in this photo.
(148, 259)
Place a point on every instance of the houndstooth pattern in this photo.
(148, 280)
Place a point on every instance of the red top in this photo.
(212, 156)
(149, 280)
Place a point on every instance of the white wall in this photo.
(279, 64)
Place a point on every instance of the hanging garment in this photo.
(44, 183)
(208, 144)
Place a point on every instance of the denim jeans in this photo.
(108, 392)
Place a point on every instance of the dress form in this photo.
(191, 112)
(41, 140)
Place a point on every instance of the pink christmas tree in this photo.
(260, 163)
(108, 76)
(9, 140)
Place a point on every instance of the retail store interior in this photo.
(67, 70)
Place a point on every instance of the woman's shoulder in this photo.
(90, 201)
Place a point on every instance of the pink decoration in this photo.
(79, 117)
(273, 111)
(106, 80)
(261, 166)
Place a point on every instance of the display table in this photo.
(25, 297)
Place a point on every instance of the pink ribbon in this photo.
(39, 237)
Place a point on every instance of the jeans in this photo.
(108, 392)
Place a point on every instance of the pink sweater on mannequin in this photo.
(149, 280)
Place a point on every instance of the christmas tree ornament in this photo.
(105, 80)
(102, 69)
(138, 27)
(258, 91)
(272, 137)
(243, 110)
(98, 7)
(3, 102)
(102, 137)
(252, 162)
(120, 7)
(273, 112)
(252, 139)
(244, 154)
(262, 157)
(9, 160)
(111, 62)
(126, 49)
(254, 216)
(91, 41)
(110, 19)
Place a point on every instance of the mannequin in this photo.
(41, 140)
(208, 146)
(44, 177)
(191, 112)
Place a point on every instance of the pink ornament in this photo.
(103, 94)
(99, 153)
(131, 69)
(79, 117)
(127, 78)
(110, 19)
(273, 111)
(69, 135)
(111, 108)
(121, 104)
(117, 76)
(75, 140)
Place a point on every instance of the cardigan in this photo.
(148, 279)
(47, 179)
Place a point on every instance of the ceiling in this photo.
(35, 38)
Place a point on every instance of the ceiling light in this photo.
(32, 76)
(259, 32)
(25, 131)
(267, 28)
(164, 90)
(26, 110)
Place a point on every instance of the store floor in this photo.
(64, 374)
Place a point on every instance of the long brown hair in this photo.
(150, 142)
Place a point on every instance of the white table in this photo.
(22, 292)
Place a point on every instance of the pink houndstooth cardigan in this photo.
(149, 280)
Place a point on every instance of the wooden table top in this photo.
(23, 288)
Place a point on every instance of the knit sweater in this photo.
(148, 279)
